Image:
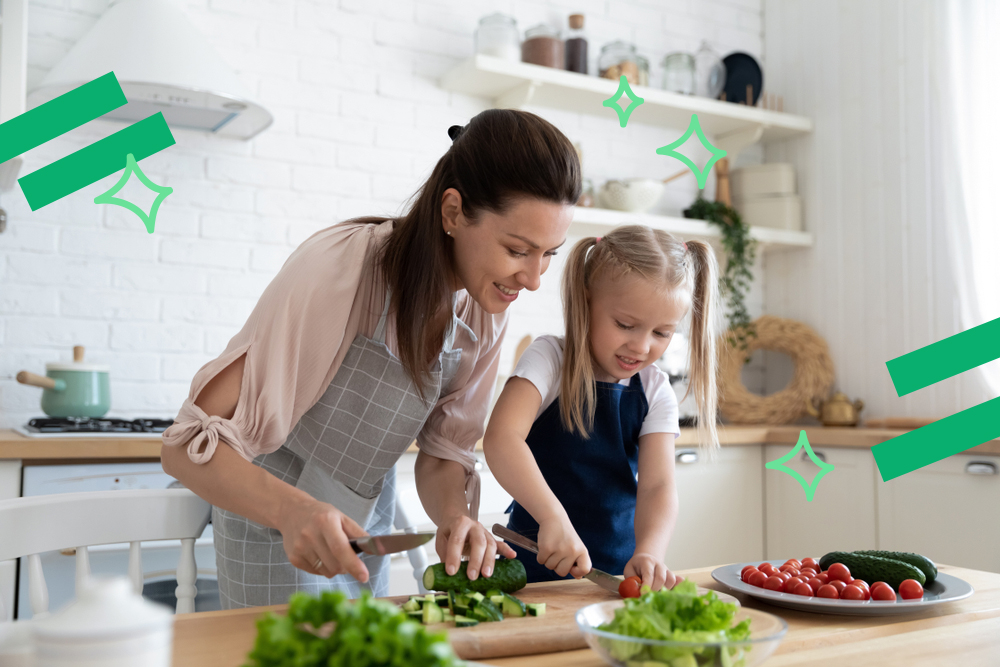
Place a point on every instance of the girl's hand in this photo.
(462, 535)
(652, 571)
(315, 531)
(561, 549)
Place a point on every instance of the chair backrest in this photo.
(33, 525)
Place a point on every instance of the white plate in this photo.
(945, 588)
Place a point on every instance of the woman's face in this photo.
(499, 255)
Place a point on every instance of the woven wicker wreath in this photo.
(813, 373)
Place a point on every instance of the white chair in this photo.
(33, 525)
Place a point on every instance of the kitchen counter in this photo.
(963, 632)
(13, 445)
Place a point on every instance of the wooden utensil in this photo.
(29, 378)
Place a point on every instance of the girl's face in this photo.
(499, 255)
(631, 323)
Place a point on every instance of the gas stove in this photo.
(46, 427)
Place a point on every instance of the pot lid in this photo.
(77, 366)
(104, 608)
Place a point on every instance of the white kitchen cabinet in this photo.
(841, 515)
(946, 511)
(10, 487)
(721, 517)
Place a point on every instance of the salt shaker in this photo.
(108, 625)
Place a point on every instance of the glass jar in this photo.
(642, 63)
(709, 72)
(678, 73)
(616, 59)
(586, 194)
(576, 45)
(497, 36)
(542, 46)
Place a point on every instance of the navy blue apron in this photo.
(594, 479)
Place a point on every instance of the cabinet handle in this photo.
(981, 468)
(686, 456)
(820, 455)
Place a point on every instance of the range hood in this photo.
(163, 63)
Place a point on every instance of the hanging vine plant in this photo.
(741, 251)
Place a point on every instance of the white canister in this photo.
(777, 178)
(781, 212)
(108, 625)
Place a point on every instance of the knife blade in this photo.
(380, 545)
(608, 582)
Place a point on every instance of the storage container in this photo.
(762, 180)
(779, 212)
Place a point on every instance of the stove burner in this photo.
(85, 425)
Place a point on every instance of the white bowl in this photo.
(635, 195)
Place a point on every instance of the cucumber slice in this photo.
(432, 613)
(536, 609)
(411, 605)
(497, 599)
(475, 599)
(461, 610)
(493, 591)
(447, 616)
(511, 606)
(487, 611)
(465, 622)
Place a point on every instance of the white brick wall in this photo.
(359, 123)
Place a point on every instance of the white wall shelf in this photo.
(514, 84)
(598, 221)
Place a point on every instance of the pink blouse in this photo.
(297, 336)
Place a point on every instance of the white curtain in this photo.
(966, 142)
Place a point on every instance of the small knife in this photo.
(380, 545)
(606, 581)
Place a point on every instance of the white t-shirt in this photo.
(541, 364)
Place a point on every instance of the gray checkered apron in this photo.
(343, 452)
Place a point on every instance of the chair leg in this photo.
(135, 566)
(82, 568)
(418, 557)
(187, 573)
(38, 592)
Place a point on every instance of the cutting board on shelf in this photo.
(555, 631)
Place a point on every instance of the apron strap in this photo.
(380, 329)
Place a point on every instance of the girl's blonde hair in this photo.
(665, 261)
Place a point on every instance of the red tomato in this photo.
(852, 593)
(884, 594)
(839, 585)
(767, 569)
(840, 571)
(810, 562)
(629, 588)
(815, 583)
(774, 584)
(824, 577)
(880, 584)
(860, 583)
(911, 589)
(828, 591)
(803, 589)
(808, 571)
(744, 570)
(784, 576)
(757, 579)
(794, 563)
(792, 583)
(746, 573)
(794, 571)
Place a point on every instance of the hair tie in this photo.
(685, 246)
(454, 131)
(598, 240)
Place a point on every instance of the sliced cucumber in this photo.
(497, 599)
(416, 616)
(487, 611)
(411, 605)
(475, 599)
(536, 609)
(511, 606)
(432, 613)
(465, 622)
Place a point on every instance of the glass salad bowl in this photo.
(766, 632)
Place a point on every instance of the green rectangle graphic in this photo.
(945, 358)
(92, 163)
(57, 117)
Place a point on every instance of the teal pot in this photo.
(73, 388)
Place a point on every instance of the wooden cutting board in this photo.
(555, 631)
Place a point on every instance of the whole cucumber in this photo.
(508, 576)
(874, 568)
(922, 563)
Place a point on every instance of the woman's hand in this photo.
(561, 549)
(315, 531)
(653, 572)
(461, 535)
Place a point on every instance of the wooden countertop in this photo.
(13, 445)
(963, 632)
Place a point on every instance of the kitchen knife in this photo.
(380, 545)
(606, 581)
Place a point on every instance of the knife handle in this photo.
(354, 545)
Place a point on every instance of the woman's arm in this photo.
(311, 529)
(513, 464)
(655, 510)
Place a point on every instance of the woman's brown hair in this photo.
(665, 261)
(500, 156)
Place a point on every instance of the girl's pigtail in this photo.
(704, 328)
(577, 390)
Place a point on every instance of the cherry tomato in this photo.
(794, 563)
(828, 591)
(767, 569)
(803, 589)
(911, 589)
(794, 571)
(784, 576)
(810, 562)
(884, 594)
(880, 584)
(839, 585)
(792, 583)
(743, 572)
(815, 583)
(824, 577)
(630, 587)
(808, 571)
(860, 583)
(774, 584)
(746, 573)
(852, 593)
(840, 571)
(757, 579)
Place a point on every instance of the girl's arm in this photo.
(511, 461)
(655, 511)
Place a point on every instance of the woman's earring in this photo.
(448, 233)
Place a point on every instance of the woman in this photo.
(374, 332)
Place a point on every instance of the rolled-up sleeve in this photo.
(458, 420)
(294, 341)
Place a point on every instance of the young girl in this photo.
(581, 416)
